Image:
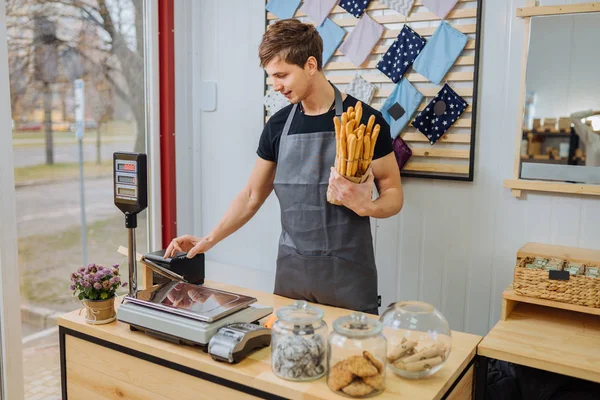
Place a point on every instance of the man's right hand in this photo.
(189, 244)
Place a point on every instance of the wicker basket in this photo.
(577, 289)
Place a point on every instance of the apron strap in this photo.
(288, 123)
(339, 110)
(339, 104)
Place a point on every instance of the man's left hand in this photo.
(355, 196)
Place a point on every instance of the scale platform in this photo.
(186, 313)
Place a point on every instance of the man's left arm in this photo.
(358, 198)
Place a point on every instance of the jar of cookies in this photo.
(356, 356)
(419, 338)
(299, 342)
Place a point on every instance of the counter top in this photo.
(548, 338)
(255, 370)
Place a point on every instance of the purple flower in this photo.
(123, 285)
(72, 287)
(97, 286)
(115, 266)
(100, 268)
(99, 275)
(117, 279)
(86, 284)
(80, 270)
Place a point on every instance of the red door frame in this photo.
(166, 55)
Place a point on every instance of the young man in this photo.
(325, 251)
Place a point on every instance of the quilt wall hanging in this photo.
(415, 62)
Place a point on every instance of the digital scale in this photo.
(177, 310)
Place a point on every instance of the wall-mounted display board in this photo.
(451, 156)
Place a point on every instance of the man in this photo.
(325, 251)
(589, 137)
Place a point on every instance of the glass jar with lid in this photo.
(299, 342)
(419, 338)
(356, 356)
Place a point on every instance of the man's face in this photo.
(290, 80)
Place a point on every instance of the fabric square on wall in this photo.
(440, 114)
(361, 40)
(401, 54)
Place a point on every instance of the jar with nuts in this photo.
(419, 339)
(299, 342)
(356, 356)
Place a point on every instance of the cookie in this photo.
(375, 381)
(359, 366)
(339, 376)
(357, 389)
(373, 361)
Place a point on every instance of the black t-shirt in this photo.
(268, 147)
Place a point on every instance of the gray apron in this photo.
(325, 251)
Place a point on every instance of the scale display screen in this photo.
(126, 179)
(126, 166)
(123, 191)
(130, 182)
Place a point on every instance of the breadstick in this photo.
(338, 140)
(344, 119)
(349, 110)
(370, 124)
(353, 115)
(359, 112)
(343, 152)
(366, 153)
(350, 126)
(351, 151)
(421, 365)
(359, 145)
(374, 139)
(401, 350)
(430, 352)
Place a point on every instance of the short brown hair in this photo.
(293, 41)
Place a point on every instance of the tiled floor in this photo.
(41, 369)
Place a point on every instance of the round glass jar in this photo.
(299, 342)
(419, 338)
(356, 356)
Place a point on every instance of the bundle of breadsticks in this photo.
(355, 145)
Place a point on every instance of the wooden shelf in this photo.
(548, 338)
(534, 11)
(518, 185)
(510, 300)
(557, 134)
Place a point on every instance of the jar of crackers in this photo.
(356, 356)
(419, 339)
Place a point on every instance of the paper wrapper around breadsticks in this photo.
(331, 198)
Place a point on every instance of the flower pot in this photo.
(100, 311)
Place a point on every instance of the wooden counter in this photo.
(547, 335)
(111, 361)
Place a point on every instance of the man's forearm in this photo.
(243, 207)
(388, 204)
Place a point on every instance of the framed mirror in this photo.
(558, 140)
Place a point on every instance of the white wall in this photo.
(563, 64)
(454, 243)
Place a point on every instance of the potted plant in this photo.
(95, 285)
